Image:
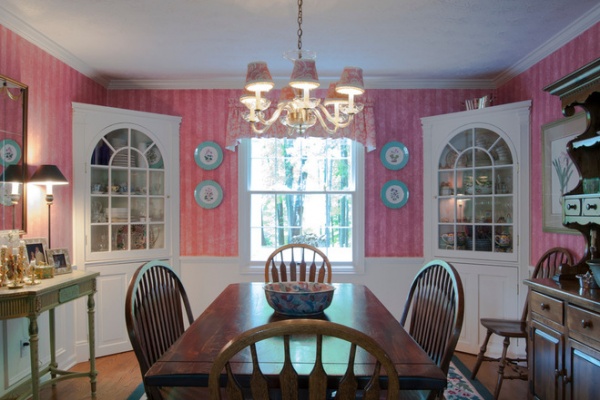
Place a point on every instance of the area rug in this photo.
(460, 387)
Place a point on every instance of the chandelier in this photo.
(296, 109)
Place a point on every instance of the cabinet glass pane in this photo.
(119, 180)
(139, 182)
(100, 238)
(462, 140)
(504, 180)
(482, 238)
(483, 209)
(464, 210)
(503, 209)
(446, 179)
(446, 210)
(503, 239)
(99, 180)
(156, 182)
(157, 238)
(119, 237)
(501, 153)
(102, 153)
(99, 207)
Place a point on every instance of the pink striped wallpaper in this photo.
(214, 232)
(389, 233)
(547, 108)
(52, 87)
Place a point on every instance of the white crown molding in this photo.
(554, 43)
(27, 32)
(17, 25)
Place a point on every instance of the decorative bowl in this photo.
(595, 268)
(299, 298)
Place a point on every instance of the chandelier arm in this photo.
(257, 130)
(273, 117)
(324, 124)
(332, 119)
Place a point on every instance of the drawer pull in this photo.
(591, 206)
(586, 324)
(571, 206)
(544, 306)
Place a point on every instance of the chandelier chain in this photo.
(300, 28)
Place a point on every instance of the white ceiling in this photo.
(208, 43)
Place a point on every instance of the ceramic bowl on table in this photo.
(299, 298)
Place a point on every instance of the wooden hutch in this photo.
(564, 320)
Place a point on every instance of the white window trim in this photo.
(358, 217)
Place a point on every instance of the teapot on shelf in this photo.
(503, 240)
(449, 238)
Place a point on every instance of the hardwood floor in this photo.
(512, 389)
(119, 375)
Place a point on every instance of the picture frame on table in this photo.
(559, 173)
(59, 258)
(36, 250)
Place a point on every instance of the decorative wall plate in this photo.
(208, 194)
(208, 155)
(10, 152)
(394, 155)
(154, 157)
(394, 194)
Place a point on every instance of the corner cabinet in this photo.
(126, 204)
(476, 216)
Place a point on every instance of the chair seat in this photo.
(506, 327)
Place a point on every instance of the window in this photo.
(304, 190)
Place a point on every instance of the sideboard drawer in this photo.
(591, 207)
(571, 206)
(583, 322)
(547, 306)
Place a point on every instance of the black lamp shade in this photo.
(12, 173)
(48, 175)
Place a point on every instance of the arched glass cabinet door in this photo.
(476, 194)
(127, 193)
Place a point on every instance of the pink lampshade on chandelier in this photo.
(296, 109)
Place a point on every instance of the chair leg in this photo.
(481, 354)
(501, 366)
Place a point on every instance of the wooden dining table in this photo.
(242, 306)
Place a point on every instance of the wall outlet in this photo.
(24, 348)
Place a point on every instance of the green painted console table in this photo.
(30, 302)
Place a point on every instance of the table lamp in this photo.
(48, 175)
(13, 174)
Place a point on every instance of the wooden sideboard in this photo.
(564, 340)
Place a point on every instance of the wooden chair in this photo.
(286, 382)
(546, 267)
(154, 315)
(435, 304)
(291, 263)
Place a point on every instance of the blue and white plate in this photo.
(394, 155)
(154, 157)
(394, 194)
(10, 152)
(208, 194)
(208, 155)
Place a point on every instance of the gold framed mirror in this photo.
(13, 154)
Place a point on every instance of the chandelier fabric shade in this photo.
(304, 75)
(258, 77)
